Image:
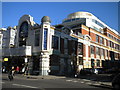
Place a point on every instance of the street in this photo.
(50, 84)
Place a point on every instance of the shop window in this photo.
(92, 63)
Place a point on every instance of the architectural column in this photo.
(30, 65)
(62, 66)
(86, 42)
(44, 63)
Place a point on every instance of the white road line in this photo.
(68, 80)
(96, 84)
(75, 81)
(82, 82)
(24, 86)
(2, 82)
(86, 80)
(89, 83)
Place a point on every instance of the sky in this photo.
(57, 11)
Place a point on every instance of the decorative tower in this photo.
(45, 45)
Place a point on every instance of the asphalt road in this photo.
(50, 84)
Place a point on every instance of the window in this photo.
(97, 50)
(92, 63)
(55, 42)
(101, 40)
(97, 38)
(65, 43)
(62, 45)
(92, 50)
(45, 38)
(80, 48)
(102, 51)
(80, 60)
(105, 42)
(23, 34)
(37, 37)
(98, 23)
(98, 63)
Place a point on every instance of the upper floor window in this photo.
(23, 34)
(45, 38)
(80, 48)
(102, 51)
(55, 42)
(92, 49)
(97, 38)
(97, 51)
(37, 37)
(101, 40)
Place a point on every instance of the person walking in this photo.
(17, 69)
(11, 74)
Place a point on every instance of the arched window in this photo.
(23, 30)
(23, 34)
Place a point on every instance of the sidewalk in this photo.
(104, 79)
(40, 76)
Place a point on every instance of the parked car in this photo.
(116, 82)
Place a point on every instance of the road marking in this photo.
(96, 84)
(2, 82)
(86, 80)
(75, 81)
(68, 80)
(82, 82)
(24, 86)
(89, 83)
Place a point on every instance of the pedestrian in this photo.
(17, 69)
(11, 74)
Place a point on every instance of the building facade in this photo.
(80, 41)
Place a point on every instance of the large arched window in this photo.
(23, 34)
(23, 30)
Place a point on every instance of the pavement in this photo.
(104, 79)
(40, 76)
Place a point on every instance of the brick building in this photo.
(80, 41)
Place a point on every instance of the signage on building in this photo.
(12, 36)
(5, 59)
(28, 50)
(26, 60)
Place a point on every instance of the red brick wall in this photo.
(84, 51)
(95, 52)
(84, 32)
(93, 36)
(89, 54)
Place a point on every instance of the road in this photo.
(51, 84)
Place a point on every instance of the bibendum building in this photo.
(81, 41)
